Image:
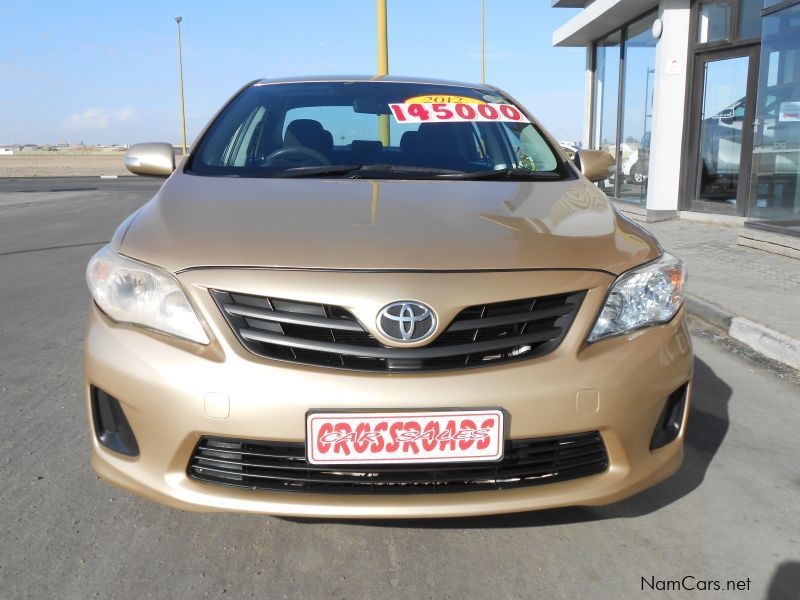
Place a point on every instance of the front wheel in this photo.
(636, 175)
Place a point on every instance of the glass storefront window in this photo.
(606, 95)
(722, 123)
(632, 150)
(714, 21)
(775, 190)
(750, 19)
(637, 109)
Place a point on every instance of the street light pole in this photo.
(180, 69)
(383, 44)
(383, 67)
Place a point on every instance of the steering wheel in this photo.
(295, 156)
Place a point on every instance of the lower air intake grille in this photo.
(282, 466)
(330, 336)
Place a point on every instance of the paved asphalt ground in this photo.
(732, 511)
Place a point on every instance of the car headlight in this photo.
(644, 296)
(129, 291)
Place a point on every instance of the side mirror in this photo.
(595, 165)
(156, 159)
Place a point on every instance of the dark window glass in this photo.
(606, 95)
(775, 194)
(714, 21)
(721, 128)
(637, 109)
(750, 19)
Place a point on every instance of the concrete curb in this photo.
(710, 313)
(765, 341)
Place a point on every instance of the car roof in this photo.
(373, 78)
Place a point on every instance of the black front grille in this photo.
(282, 466)
(330, 336)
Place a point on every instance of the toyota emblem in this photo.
(406, 321)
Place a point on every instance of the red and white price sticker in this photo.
(454, 112)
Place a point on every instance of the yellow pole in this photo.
(180, 68)
(383, 67)
(383, 45)
(483, 41)
(376, 193)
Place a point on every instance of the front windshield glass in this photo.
(372, 129)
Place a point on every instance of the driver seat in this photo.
(310, 134)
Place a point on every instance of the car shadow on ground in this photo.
(785, 583)
(707, 427)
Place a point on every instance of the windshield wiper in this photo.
(317, 171)
(514, 174)
(380, 171)
(364, 171)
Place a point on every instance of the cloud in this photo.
(98, 118)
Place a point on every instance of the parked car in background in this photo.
(570, 148)
(635, 167)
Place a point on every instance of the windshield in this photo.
(373, 129)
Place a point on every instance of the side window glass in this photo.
(529, 148)
(239, 147)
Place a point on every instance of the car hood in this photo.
(333, 224)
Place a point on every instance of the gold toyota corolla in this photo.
(383, 298)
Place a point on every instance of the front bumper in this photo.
(173, 393)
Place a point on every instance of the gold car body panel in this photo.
(348, 224)
(161, 384)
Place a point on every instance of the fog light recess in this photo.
(669, 423)
(110, 425)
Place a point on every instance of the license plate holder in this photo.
(404, 437)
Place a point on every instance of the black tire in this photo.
(633, 174)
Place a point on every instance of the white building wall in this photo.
(587, 100)
(672, 49)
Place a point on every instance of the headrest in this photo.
(308, 133)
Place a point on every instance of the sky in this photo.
(106, 72)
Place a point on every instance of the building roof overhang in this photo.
(569, 3)
(597, 19)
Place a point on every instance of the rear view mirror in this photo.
(595, 165)
(370, 106)
(156, 159)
